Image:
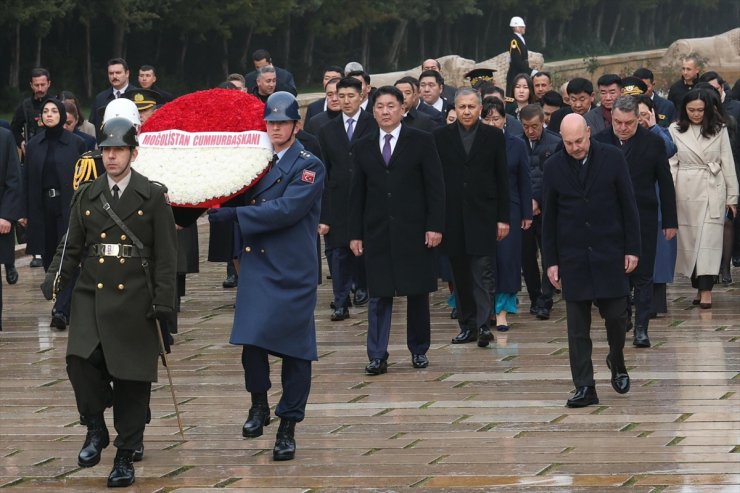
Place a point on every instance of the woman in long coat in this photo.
(509, 250)
(706, 190)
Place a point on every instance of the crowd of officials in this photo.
(407, 184)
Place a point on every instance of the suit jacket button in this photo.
(141, 213)
(100, 285)
(120, 287)
(103, 235)
(87, 213)
(101, 260)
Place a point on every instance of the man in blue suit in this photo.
(279, 266)
(590, 242)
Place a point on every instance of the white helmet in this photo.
(122, 108)
(517, 22)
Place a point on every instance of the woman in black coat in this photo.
(48, 174)
(509, 250)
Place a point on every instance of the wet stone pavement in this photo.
(476, 419)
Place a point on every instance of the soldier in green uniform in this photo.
(127, 280)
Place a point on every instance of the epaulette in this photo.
(81, 187)
(508, 100)
(159, 184)
(85, 169)
(305, 154)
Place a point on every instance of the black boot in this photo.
(96, 440)
(641, 337)
(284, 441)
(259, 416)
(123, 469)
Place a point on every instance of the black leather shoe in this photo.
(231, 281)
(736, 261)
(139, 453)
(361, 297)
(453, 314)
(259, 416)
(11, 274)
(419, 360)
(484, 336)
(465, 336)
(641, 337)
(542, 313)
(532, 309)
(584, 396)
(377, 367)
(36, 262)
(333, 305)
(96, 440)
(284, 441)
(123, 469)
(58, 321)
(340, 314)
(620, 378)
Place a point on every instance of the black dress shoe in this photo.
(11, 274)
(641, 337)
(465, 336)
(139, 453)
(123, 470)
(736, 261)
(258, 417)
(377, 367)
(543, 313)
(37, 262)
(484, 336)
(231, 281)
(502, 328)
(96, 440)
(533, 309)
(333, 305)
(284, 441)
(453, 314)
(419, 360)
(340, 314)
(58, 321)
(620, 378)
(584, 396)
(361, 297)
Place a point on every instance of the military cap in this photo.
(143, 98)
(479, 75)
(633, 86)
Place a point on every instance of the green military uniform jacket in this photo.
(111, 304)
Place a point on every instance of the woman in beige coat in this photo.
(706, 190)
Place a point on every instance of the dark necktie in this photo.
(116, 194)
(118, 94)
(387, 149)
(350, 128)
(274, 160)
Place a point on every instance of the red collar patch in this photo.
(308, 176)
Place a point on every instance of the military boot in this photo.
(123, 469)
(284, 441)
(96, 440)
(259, 416)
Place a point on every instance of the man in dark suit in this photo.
(581, 99)
(320, 105)
(691, 67)
(665, 111)
(431, 86)
(333, 108)
(518, 54)
(336, 138)
(399, 168)
(413, 118)
(118, 77)
(610, 88)
(541, 144)
(11, 201)
(648, 166)
(261, 58)
(448, 92)
(148, 80)
(473, 159)
(591, 240)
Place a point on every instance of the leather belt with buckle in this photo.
(112, 250)
(53, 192)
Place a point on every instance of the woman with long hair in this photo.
(523, 92)
(706, 190)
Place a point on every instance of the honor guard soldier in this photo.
(122, 233)
(278, 261)
(518, 54)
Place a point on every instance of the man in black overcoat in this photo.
(336, 138)
(397, 206)
(648, 165)
(11, 200)
(591, 241)
(473, 159)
